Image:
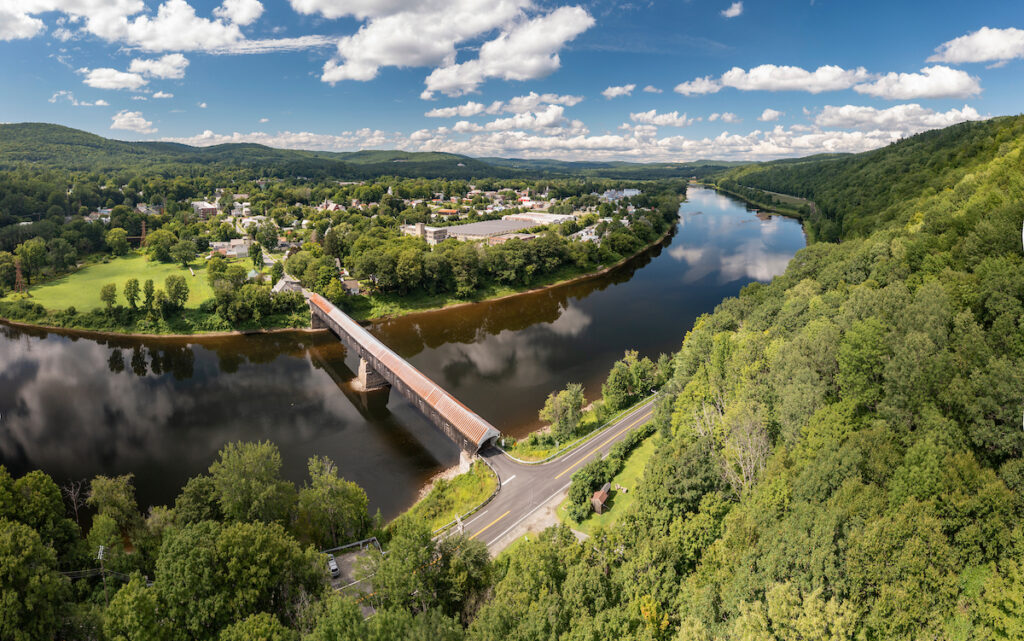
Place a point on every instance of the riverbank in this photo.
(127, 323)
(776, 208)
(450, 494)
(194, 323)
(386, 307)
(100, 334)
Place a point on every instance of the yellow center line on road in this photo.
(481, 530)
(611, 438)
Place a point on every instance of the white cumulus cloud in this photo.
(777, 78)
(770, 115)
(16, 24)
(726, 116)
(345, 141)
(175, 25)
(106, 78)
(652, 117)
(532, 100)
(615, 92)
(984, 45)
(163, 94)
(651, 89)
(734, 10)
(170, 66)
(132, 121)
(910, 118)
(241, 12)
(520, 43)
(469, 109)
(787, 78)
(699, 86)
(526, 51)
(933, 82)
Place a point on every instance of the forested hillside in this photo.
(57, 147)
(843, 455)
(49, 146)
(858, 194)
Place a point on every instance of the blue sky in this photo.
(643, 81)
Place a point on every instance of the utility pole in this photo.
(99, 555)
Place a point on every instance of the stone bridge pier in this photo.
(367, 379)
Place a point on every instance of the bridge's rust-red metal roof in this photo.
(467, 422)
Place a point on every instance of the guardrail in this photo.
(497, 488)
(363, 544)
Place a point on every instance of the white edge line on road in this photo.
(596, 437)
(476, 517)
(507, 481)
(521, 519)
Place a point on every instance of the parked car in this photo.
(332, 565)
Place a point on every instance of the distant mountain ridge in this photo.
(60, 147)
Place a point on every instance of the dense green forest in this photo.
(843, 445)
(840, 458)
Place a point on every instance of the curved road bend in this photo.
(527, 488)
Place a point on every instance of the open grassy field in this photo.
(81, 289)
(618, 503)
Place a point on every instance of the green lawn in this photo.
(81, 289)
(618, 503)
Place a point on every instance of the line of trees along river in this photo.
(162, 408)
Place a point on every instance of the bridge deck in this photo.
(469, 425)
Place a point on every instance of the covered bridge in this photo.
(379, 366)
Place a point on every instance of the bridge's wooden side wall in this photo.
(467, 429)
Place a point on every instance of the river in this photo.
(161, 408)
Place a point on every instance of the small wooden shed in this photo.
(600, 498)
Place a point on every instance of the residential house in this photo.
(234, 248)
(100, 216)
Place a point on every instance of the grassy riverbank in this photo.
(72, 301)
(769, 201)
(453, 497)
(187, 322)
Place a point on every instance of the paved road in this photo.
(526, 488)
